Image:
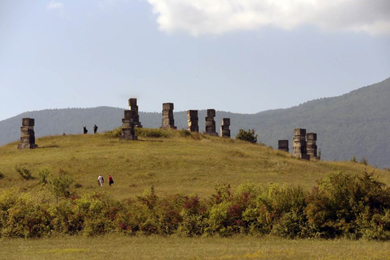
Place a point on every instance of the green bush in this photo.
(115, 133)
(24, 172)
(248, 136)
(184, 133)
(153, 133)
(43, 175)
(340, 206)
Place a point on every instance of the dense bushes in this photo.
(341, 205)
(248, 136)
(143, 132)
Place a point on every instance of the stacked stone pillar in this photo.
(134, 108)
(130, 121)
(27, 139)
(210, 123)
(283, 145)
(299, 145)
(311, 144)
(167, 116)
(225, 127)
(192, 121)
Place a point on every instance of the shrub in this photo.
(248, 136)
(184, 133)
(353, 159)
(364, 161)
(341, 204)
(59, 186)
(24, 172)
(152, 133)
(43, 175)
(115, 133)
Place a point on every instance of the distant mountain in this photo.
(354, 124)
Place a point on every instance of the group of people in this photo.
(95, 128)
(101, 180)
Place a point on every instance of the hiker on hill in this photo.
(95, 128)
(85, 130)
(100, 180)
(110, 180)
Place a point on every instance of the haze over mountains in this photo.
(354, 124)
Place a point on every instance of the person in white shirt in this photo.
(100, 180)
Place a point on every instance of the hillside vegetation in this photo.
(354, 124)
(173, 163)
(179, 183)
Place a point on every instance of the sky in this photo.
(243, 56)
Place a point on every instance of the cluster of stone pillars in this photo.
(304, 145)
(27, 139)
(130, 121)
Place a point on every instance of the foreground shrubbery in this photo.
(341, 205)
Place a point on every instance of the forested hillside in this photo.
(354, 124)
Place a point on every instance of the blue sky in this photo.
(242, 56)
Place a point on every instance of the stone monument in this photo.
(210, 123)
(130, 121)
(192, 121)
(225, 127)
(311, 145)
(167, 116)
(299, 144)
(27, 139)
(134, 108)
(283, 145)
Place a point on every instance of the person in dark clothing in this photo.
(85, 130)
(110, 180)
(95, 128)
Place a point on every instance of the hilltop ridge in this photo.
(354, 124)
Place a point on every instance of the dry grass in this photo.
(176, 164)
(118, 247)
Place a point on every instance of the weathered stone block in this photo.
(226, 121)
(300, 131)
(168, 106)
(130, 114)
(210, 112)
(191, 114)
(28, 122)
(312, 136)
(132, 102)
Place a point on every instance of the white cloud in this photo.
(199, 17)
(54, 5)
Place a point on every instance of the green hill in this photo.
(354, 124)
(173, 163)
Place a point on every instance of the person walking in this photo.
(100, 180)
(110, 180)
(95, 128)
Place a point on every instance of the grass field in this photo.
(189, 165)
(118, 247)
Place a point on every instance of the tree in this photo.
(248, 136)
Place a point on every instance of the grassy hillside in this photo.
(192, 164)
(354, 124)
